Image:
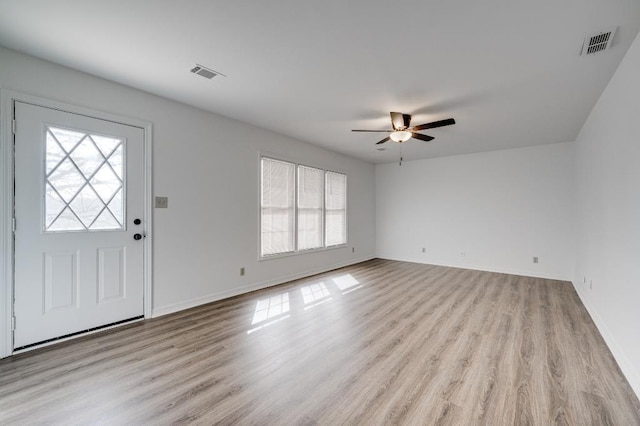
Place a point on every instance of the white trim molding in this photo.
(192, 303)
(7, 101)
(484, 268)
(6, 220)
(626, 366)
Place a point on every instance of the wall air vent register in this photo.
(598, 42)
(205, 72)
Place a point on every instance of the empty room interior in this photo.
(286, 212)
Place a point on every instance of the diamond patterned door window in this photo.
(84, 181)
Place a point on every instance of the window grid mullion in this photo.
(61, 210)
(66, 154)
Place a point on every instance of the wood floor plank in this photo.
(377, 343)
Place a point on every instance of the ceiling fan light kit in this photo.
(400, 136)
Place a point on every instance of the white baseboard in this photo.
(623, 361)
(192, 303)
(625, 364)
(524, 273)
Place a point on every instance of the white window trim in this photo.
(297, 252)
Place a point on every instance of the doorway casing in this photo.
(7, 100)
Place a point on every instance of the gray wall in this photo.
(208, 166)
(499, 208)
(607, 274)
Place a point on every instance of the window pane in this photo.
(310, 182)
(335, 209)
(83, 181)
(277, 207)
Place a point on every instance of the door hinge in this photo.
(13, 126)
(13, 224)
(13, 323)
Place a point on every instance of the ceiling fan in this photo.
(403, 132)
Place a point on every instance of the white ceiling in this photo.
(508, 71)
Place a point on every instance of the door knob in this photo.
(137, 221)
(137, 237)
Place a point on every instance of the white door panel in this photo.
(78, 188)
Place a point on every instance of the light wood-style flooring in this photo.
(380, 342)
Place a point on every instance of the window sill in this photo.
(300, 252)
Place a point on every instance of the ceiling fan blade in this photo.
(382, 131)
(397, 120)
(434, 124)
(383, 140)
(425, 138)
(406, 118)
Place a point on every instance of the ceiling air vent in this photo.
(598, 42)
(205, 72)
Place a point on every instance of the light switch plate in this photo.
(162, 202)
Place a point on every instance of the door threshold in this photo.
(66, 337)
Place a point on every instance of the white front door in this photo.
(79, 187)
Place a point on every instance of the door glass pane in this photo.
(68, 139)
(105, 221)
(115, 160)
(106, 144)
(66, 180)
(66, 221)
(84, 181)
(87, 157)
(55, 153)
(87, 205)
(55, 205)
(105, 182)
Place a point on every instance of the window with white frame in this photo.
(277, 222)
(310, 194)
(335, 195)
(301, 208)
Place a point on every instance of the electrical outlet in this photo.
(424, 249)
(242, 271)
(462, 253)
(535, 259)
(162, 202)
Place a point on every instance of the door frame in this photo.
(7, 102)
